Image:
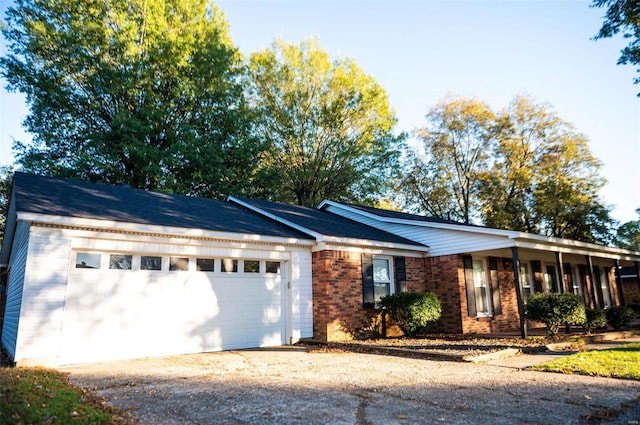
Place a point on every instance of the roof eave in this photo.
(155, 229)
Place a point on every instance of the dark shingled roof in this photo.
(327, 223)
(402, 215)
(71, 198)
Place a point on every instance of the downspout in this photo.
(518, 284)
(619, 282)
(561, 285)
(637, 264)
(594, 295)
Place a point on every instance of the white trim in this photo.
(323, 241)
(517, 239)
(155, 229)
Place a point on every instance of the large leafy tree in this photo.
(521, 169)
(628, 234)
(544, 178)
(443, 172)
(623, 16)
(327, 123)
(139, 92)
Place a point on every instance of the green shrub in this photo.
(412, 311)
(595, 319)
(635, 306)
(555, 309)
(619, 317)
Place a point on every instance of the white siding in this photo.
(60, 314)
(439, 241)
(43, 295)
(17, 267)
(301, 296)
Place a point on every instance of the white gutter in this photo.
(521, 239)
(155, 229)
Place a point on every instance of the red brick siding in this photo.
(337, 293)
(446, 279)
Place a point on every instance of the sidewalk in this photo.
(523, 361)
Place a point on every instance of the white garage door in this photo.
(129, 313)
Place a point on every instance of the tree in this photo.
(622, 16)
(628, 234)
(6, 178)
(144, 93)
(328, 126)
(442, 179)
(544, 178)
(522, 169)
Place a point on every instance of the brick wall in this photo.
(446, 279)
(337, 293)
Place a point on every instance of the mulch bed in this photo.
(444, 347)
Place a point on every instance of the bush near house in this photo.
(596, 319)
(412, 311)
(619, 317)
(555, 309)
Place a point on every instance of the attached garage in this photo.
(101, 273)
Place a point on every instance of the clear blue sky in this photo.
(420, 51)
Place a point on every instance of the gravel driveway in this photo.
(291, 386)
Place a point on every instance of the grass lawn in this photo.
(621, 362)
(45, 396)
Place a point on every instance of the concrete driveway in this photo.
(291, 386)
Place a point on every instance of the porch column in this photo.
(596, 290)
(561, 272)
(518, 284)
(637, 264)
(619, 282)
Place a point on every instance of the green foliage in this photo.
(619, 317)
(555, 309)
(412, 311)
(141, 92)
(456, 141)
(328, 126)
(42, 396)
(628, 234)
(595, 319)
(623, 16)
(622, 362)
(520, 169)
(6, 175)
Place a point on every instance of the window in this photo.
(273, 267)
(381, 277)
(120, 262)
(86, 260)
(481, 290)
(525, 280)
(150, 263)
(178, 264)
(229, 266)
(606, 290)
(205, 264)
(251, 266)
(551, 279)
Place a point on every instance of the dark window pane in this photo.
(204, 264)
(251, 266)
(273, 267)
(150, 263)
(120, 262)
(85, 260)
(178, 264)
(229, 266)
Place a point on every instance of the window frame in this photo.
(390, 281)
(487, 291)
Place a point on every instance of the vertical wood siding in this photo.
(43, 294)
(17, 266)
